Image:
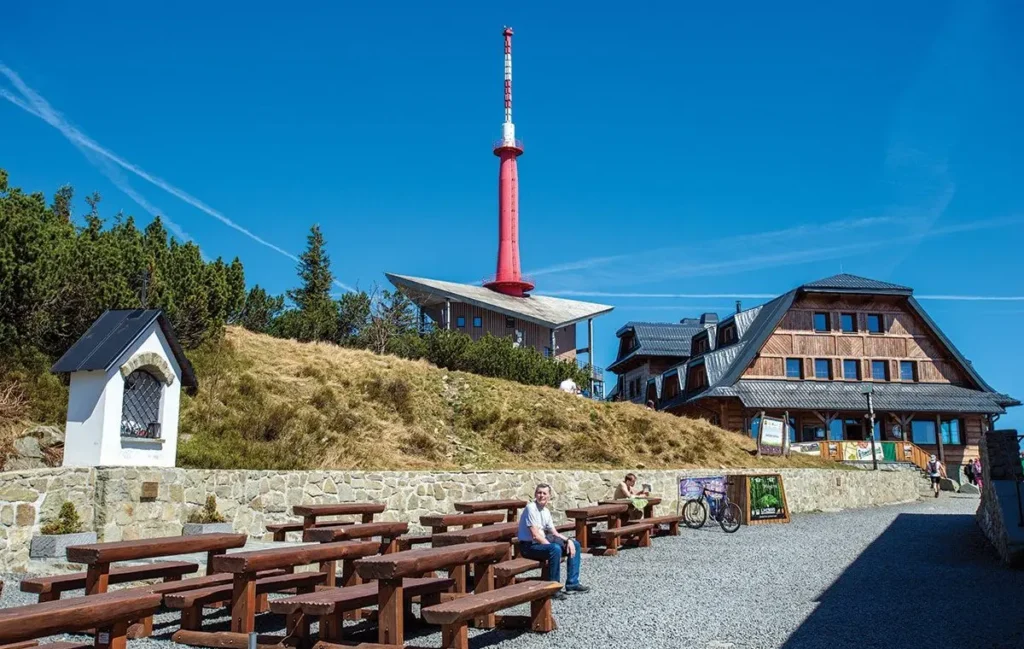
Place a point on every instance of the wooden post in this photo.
(390, 612)
(209, 560)
(113, 637)
(455, 636)
(760, 424)
(483, 577)
(938, 438)
(96, 578)
(243, 603)
(541, 620)
(581, 534)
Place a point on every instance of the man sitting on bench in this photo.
(540, 541)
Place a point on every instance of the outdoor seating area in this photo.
(463, 574)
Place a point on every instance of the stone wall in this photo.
(998, 514)
(110, 500)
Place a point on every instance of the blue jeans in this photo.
(552, 553)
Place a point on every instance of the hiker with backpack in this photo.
(936, 471)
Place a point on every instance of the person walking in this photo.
(540, 541)
(936, 472)
(977, 471)
(969, 472)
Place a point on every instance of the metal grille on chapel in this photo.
(140, 413)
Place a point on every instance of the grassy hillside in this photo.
(271, 403)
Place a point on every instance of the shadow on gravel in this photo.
(929, 581)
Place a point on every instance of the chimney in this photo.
(708, 319)
(739, 306)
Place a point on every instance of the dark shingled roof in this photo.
(113, 333)
(658, 339)
(840, 395)
(845, 282)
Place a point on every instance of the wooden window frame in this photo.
(857, 374)
(828, 321)
(853, 317)
(914, 377)
(785, 368)
(881, 323)
(885, 372)
(828, 371)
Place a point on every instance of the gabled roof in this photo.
(552, 312)
(657, 339)
(112, 334)
(725, 366)
(846, 283)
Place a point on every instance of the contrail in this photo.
(765, 296)
(41, 108)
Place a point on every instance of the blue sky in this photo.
(675, 149)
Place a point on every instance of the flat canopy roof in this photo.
(543, 310)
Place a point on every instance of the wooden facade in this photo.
(904, 338)
(464, 318)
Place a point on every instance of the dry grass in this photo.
(271, 403)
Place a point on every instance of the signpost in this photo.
(771, 436)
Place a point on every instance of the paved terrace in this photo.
(903, 576)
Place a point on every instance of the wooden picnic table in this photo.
(390, 569)
(245, 566)
(439, 523)
(309, 513)
(489, 533)
(98, 556)
(510, 506)
(648, 510)
(389, 533)
(587, 517)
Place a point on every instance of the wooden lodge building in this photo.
(808, 354)
(548, 324)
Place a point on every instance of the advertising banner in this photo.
(861, 451)
(690, 488)
(767, 499)
(806, 448)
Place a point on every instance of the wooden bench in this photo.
(511, 507)
(109, 614)
(672, 521)
(50, 588)
(648, 510)
(439, 523)
(332, 604)
(192, 602)
(586, 517)
(247, 585)
(613, 536)
(388, 532)
(280, 530)
(454, 615)
(506, 571)
(407, 541)
(361, 645)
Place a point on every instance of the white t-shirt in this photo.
(569, 386)
(534, 516)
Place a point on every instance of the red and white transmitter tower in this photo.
(509, 278)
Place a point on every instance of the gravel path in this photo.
(919, 574)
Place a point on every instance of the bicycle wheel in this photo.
(695, 513)
(730, 518)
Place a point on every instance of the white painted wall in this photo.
(94, 414)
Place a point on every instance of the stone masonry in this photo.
(111, 502)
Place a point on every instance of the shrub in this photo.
(395, 392)
(208, 513)
(67, 521)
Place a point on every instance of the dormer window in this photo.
(728, 335)
(700, 345)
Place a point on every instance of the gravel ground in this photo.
(919, 574)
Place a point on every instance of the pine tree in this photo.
(317, 317)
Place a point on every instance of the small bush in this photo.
(395, 392)
(324, 399)
(67, 521)
(423, 445)
(208, 513)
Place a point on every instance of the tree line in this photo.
(57, 276)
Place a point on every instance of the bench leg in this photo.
(330, 569)
(455, 636)
(51, 596)
(673, 528)
(243, 603)
(582, 534)
(541, 619)
(96, 578)
(390, 609)
(192, 618)
(483, 582)
(330, 627)
(297, 627)
(645, 539)
(112, 637)
(280, 535)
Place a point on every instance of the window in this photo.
(908, 371)
(923, 432)
(728, 335)
(851, 369)
(478, 321)
(140, 409)
(879, 370)
(875, 323)
(794, 368)
(822, 368)
(821, 321)
(547, 352)
(700, 345)
(951, 432)
(460, 322)
(696, 378)
(670, 387)
(510, 323)
(812, 433)
(848, 323)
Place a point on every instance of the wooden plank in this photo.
(338, 509)
(119, 575)
(449, 520)
(596, 511)
(413, 563)
(327, 601)
(21, 623)
(468, 607)
(358, 531)
(257, 560)
(156, 547)
(502, 532)
(489, 505)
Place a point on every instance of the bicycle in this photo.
(725, 513)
